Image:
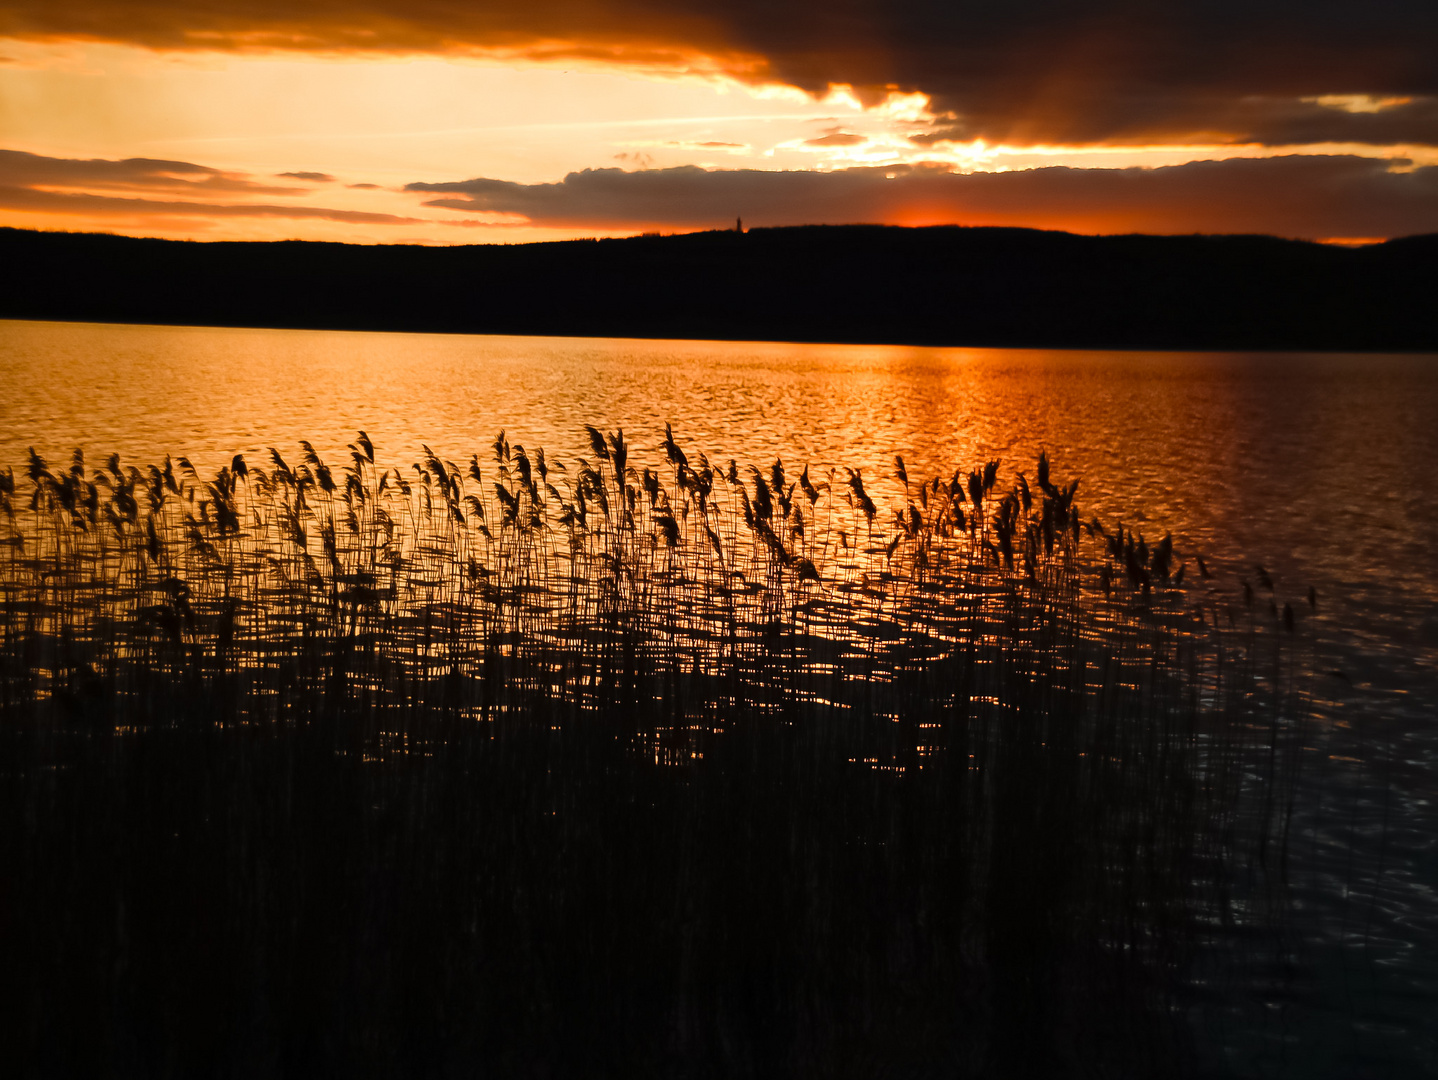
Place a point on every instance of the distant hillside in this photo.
(937, 286)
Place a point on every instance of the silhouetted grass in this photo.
(523, 769)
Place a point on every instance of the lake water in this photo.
(1318, 467)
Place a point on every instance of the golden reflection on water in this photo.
(1317, 466)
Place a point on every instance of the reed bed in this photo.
(529, 767)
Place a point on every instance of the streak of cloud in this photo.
(130, 174)
(13, 198)
(34, 183)
(837, 138)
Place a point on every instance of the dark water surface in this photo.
(1318, 467)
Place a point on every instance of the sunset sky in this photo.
(464, 121)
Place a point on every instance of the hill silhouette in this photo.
(943, 285)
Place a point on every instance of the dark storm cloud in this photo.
(1313, 197)
(1262, 120)
(29, 182)
(1018, 71)
(1291, 123)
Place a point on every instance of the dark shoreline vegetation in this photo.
(591, 769)
(942, 285)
